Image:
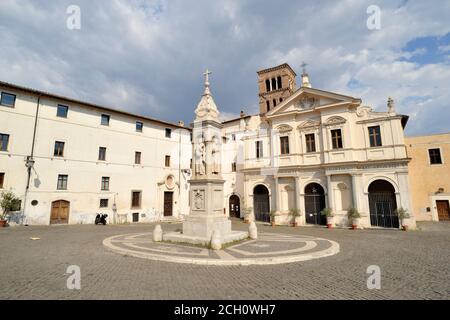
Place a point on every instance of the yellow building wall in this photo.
(426, 178)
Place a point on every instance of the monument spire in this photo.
(305, 76)
(206, 108)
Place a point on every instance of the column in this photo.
(356, 189)
(330, 193)
(277, 194)
(297, 193)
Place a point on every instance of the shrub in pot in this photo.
(353, 216)
(327, 212)
(295, 215)
(403, 216)
(272, 214)
(8, 202)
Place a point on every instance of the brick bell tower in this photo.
(275, 85)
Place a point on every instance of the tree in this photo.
(8, 202)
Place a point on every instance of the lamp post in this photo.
(29, 164)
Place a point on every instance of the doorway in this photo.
(235, 206)
(314, 204)
(443, 210)
(168, 204)
(383, 205)
(60, 212)
(261, 203)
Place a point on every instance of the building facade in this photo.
(429, 173)
(68, 160)
(307, 149)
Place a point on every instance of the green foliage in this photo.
(295, 212)
(327, 212)
(8, 202)
(353, 213)
(402, 213)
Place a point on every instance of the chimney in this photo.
(242, 114)
(181, 123)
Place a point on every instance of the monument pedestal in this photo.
(206, 216)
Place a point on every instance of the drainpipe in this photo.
(29, 162)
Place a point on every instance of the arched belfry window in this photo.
(279, 82)
(274, 84)
(267, 85)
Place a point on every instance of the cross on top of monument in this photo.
(303, 65)
(206, 74)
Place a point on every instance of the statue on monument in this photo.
(199, 154)
(215, 155)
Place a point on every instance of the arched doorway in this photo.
(60, 212)
(261, 203)
(314, 204)
(235, 206)
(382, 204)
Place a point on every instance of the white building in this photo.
(307, 149)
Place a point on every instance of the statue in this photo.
(215, 156)
(199, 157)
(391, 105)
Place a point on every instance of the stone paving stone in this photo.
(414, 265)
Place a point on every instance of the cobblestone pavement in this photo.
(414, 265)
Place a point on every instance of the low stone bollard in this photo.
(216, 243)
(157, 233)
(253, 231)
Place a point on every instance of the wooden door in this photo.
(60, 212)
(168, 204)
(443, 210)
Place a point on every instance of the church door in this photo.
(235, 207)
(261, 203)
(60, 212)
(382, 204)
(314, 204)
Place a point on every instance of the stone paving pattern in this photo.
(414, 265)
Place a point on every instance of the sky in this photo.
(149, 56)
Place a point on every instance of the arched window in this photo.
(267, 85)
(274, 103)
(274, 84)
(279, 82)
(268, 105)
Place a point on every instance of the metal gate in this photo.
(261, 207)
(382, 210)
(314, 204)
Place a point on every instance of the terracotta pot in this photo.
(3, 223)
(329, 225)
(272, 223)
(405, 228)
(354, 226)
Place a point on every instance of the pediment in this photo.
(334, 121)
(308, 124)
(284, 128)
(305, 99)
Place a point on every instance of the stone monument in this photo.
(207, 216)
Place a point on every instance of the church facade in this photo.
(306, 150)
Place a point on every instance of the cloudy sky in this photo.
(148, 56)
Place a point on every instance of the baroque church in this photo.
(307, 149)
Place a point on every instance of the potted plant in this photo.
(272, 214)
(328, 212)
(403, 216)
(248, 215)
(353, 216)
(295, 214)
(8, 202)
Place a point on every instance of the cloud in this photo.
(148, 56)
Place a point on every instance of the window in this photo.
(4, 141)
(168, 133)
(2, 178)
(137, 157)
(284, 143)
(375, 136)
(281, 100)
(274, 84)
(62, 111)
(139, 126)
(310, 140)
(336, 138)
(267, 85)
(233, 167)
(435, 156)
(233, 137)
(62, 182)
(274, 103)
(268, 105)
(279, 82)
(167, 161)
(135, 199)
(59, 149)
(105, 183)
(102, 154)
(104, 203)
(105, 120)
(8, 99)
(259, 149)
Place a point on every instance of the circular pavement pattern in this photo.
(269, 248)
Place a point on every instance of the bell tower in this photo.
(275, 85)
